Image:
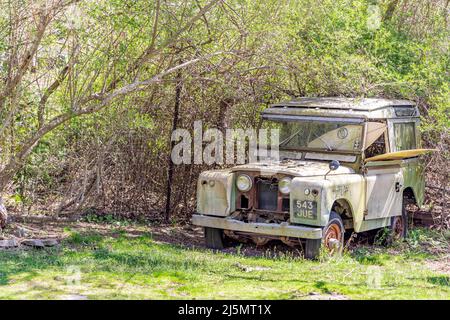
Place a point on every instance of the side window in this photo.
(376, 148)
(405, 136)
(375, 142)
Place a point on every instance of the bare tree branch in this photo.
(151, 50)
(44, 17)
(27, 146)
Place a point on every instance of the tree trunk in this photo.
(172, 144)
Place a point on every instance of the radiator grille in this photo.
(267, 193)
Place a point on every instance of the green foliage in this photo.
(275, 50)
(78, 239)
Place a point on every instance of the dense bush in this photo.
(257, 52)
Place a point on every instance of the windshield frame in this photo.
(292, 118)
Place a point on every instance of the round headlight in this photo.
(307, 191)
(244, 183)
(285, 185)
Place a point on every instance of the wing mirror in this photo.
(334, 165)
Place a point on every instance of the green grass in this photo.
(119, 267)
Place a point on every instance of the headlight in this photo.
(285, 185)
(244, 183)
(307, 192)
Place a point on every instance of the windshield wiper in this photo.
(288, 139)
(329, 148)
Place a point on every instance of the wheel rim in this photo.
(398, 227)
(332, 233)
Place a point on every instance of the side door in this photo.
(384, 181)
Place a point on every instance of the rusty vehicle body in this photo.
(324, 183)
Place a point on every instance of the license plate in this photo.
(305, 209)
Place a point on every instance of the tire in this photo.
(214, 238)
(312, 248)
(333, 230)
(398, 230)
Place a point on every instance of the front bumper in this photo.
(273, 229)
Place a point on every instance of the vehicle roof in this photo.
(367, 108)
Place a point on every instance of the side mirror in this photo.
(334, 165)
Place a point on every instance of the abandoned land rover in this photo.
(344, 165)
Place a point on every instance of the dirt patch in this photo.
(57, 229)
(182, 235)
(186, 235)
(318, 296)
(442, 265)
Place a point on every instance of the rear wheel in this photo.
(214, 238)
(398, 229)
(332, 238)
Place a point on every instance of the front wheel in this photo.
(214, 238)
(332, 238)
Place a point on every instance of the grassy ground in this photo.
(119, 264)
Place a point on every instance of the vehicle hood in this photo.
(292, 167)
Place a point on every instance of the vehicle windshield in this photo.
(329, 136)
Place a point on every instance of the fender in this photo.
(326, 191)
(215, 193)
(414, 178)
